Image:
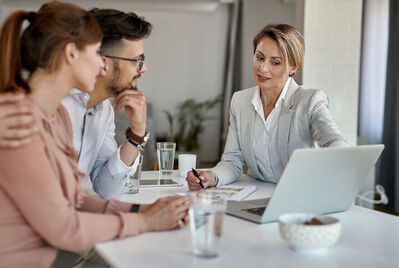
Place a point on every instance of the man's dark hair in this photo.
(117, 25)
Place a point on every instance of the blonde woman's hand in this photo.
(207, 178)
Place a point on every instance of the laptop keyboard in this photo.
(256, 211)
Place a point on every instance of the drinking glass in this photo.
(206, 218)
(166, 157)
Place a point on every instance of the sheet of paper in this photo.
(232, 193)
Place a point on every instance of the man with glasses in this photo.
(92, 115)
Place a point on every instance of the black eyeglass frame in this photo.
(141, 61)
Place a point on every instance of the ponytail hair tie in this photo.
(31, 16)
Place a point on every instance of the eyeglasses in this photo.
(140, 61)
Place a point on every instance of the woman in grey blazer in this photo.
(269, 121)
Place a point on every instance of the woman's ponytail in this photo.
(10, 52)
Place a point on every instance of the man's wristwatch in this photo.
(135, 140)
(134, 208)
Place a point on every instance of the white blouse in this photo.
(265, 137)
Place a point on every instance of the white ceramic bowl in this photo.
(309, 238)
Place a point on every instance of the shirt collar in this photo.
(283, 92)
(83, 98)
(257, 102)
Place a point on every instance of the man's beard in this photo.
(113, 87)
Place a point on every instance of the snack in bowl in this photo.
(305, 232)
(313, 221)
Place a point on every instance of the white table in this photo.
(368, 239)
(149, 195)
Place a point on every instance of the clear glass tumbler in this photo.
(166, 157)
(206, 218)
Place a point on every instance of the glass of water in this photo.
(206, 218)
(133, 182)
(166, 157)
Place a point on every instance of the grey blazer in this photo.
(304, 122)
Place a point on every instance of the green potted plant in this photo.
(191, 115)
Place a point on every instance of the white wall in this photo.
(332, 31)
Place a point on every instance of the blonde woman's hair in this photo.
(290, 41)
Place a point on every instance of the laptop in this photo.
(316, 181)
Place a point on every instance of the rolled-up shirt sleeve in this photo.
(109, 174)
(94, 139)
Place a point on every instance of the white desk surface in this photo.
(368, 239)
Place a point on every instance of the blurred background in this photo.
(200, 53)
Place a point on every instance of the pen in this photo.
(196, 175)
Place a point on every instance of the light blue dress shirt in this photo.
(93, 138)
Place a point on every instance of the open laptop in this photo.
(315, 181)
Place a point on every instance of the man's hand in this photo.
(135, 109)
(166, 213)
(207, 178)
(17, 122)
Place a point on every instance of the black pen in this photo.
(196, 175)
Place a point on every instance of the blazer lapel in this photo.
(283, 132)
(247, 119)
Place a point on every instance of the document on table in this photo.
(232, 193)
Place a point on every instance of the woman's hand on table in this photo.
(207, 178)
(166, 213)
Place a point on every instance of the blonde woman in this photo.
(269, 121)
